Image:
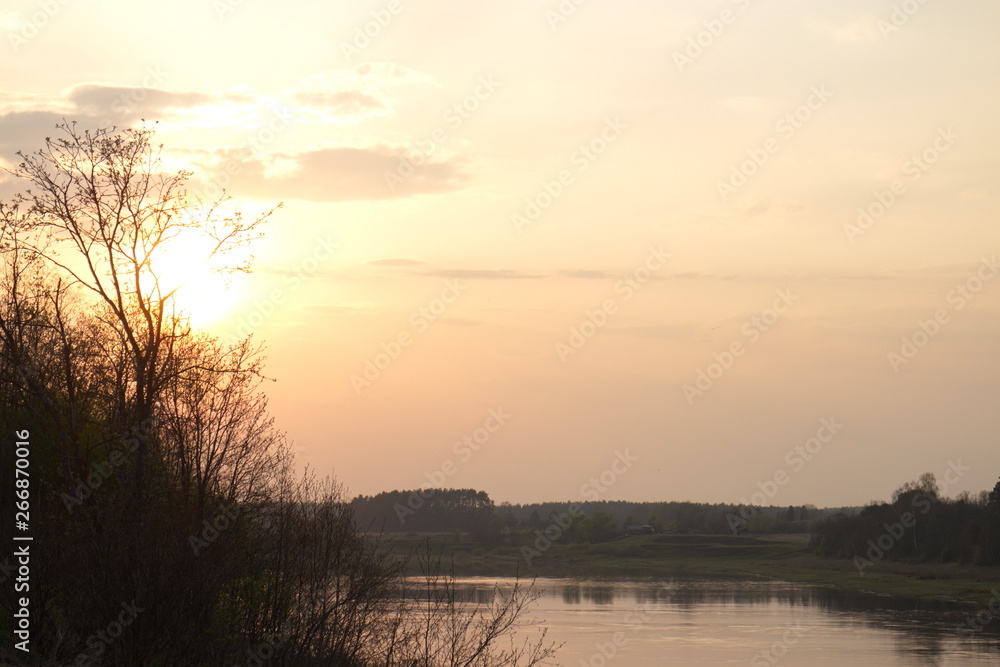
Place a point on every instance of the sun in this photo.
(204, 291)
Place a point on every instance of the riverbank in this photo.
(783, 557)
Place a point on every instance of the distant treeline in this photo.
(682, 517)
(425, 510)
(472, 511)
(918, 525)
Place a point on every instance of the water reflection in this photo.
(733, 620)
(600, 594)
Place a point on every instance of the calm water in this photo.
(723, 622)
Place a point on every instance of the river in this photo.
(732, 622)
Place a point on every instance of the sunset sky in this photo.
(576, 233)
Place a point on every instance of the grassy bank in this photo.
(783, 557)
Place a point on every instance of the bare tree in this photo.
(215, 429)
(102, 211)
(223, 548)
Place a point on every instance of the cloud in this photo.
(591, 274)
(420, 269)
(483, 274)
(340, 103)
(29, 119)
(587, 274)
(343, 173)
(131, 102)
(347, 96)
(25, 129)
(338, 173)
(254, 168)
(514, 274)
(334, 96)
(362, 92)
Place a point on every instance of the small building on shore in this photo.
(644, 529)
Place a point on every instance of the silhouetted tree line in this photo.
(472, 511)
(917, 525)
(168, 526)
(681, 517)
(426, 510)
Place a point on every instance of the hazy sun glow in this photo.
(205, 291)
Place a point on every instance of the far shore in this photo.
(784, 557)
